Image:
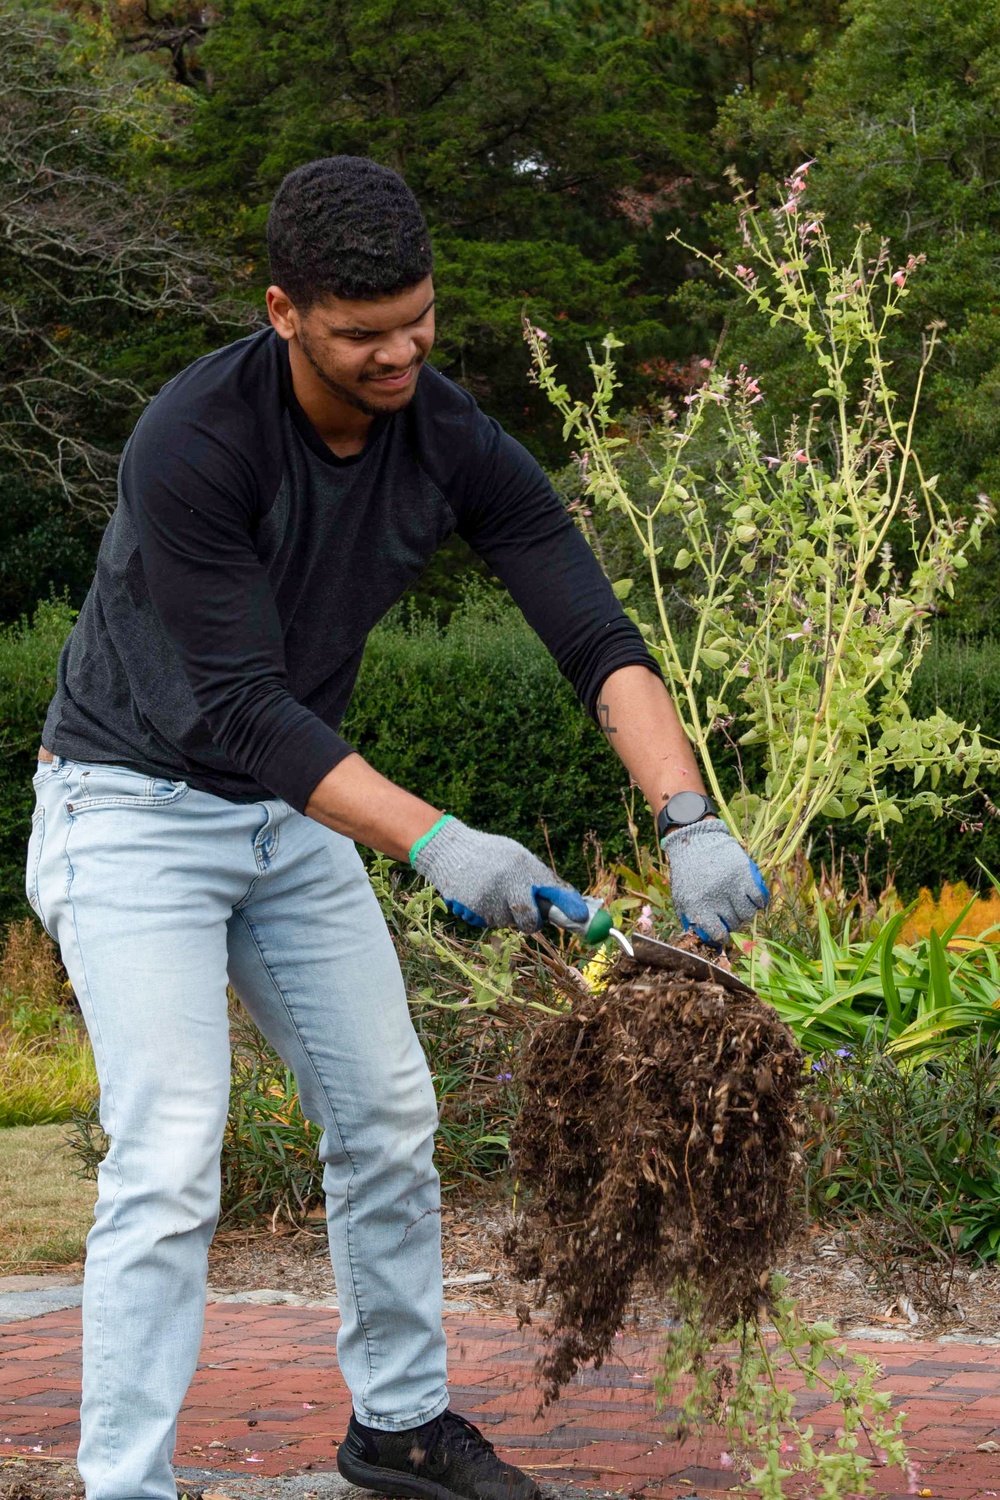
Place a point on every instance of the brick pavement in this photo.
(267, 1399)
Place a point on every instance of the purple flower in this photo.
(843, 1052)
(819, 1066)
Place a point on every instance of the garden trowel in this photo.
(644, 950)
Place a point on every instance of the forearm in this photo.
(638, 717)
(355, 800)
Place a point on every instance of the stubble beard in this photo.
(343, 392)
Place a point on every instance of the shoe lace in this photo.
(450, 1431)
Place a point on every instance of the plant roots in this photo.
(658, 1132)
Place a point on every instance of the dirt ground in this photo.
(827, 1280)
(39, 1479)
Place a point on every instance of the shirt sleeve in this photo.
(509, 513)
(192, 492)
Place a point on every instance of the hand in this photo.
(715, 885)
(489, 880)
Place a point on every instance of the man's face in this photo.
(367, 353)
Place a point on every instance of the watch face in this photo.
(686, 807)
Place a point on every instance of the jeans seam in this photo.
(333, 1111)
(106, 1404)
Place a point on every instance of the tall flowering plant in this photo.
(811, 571)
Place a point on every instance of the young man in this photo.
(197, 811)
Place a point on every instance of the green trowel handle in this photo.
(596, 928)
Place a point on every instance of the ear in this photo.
(282, 313)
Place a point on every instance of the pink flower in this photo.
(745, 273)
(899, 277)
(912, 1472)
(801, 456)
(540, 334)
(726, 1460)
(705, 364)
(645, 922)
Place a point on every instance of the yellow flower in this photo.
(595, 973)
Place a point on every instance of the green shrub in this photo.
(43, 1082)
(46, 1065)
(28, 656)
(474, 716)
(908, 1158)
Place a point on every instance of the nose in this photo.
(396, 350)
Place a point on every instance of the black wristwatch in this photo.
(682, 809)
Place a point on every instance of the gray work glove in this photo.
(489, 880)
(714, 884)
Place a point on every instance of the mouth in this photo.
(394, 382)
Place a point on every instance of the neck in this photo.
(342, 426)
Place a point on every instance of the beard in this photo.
(343, 392)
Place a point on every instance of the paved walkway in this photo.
(267, 1400)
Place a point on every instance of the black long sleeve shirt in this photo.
(245, 565)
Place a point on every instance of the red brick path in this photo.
(267, 1399)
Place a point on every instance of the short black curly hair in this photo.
(343, 226)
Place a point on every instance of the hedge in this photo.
(475, 717)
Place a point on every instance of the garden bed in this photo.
(827, 1280)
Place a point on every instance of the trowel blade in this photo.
(660, 955)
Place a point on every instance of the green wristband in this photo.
(425, 838)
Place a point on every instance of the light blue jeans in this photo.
(158, 895)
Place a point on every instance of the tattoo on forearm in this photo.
(604, 715)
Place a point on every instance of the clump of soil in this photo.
(657, 1133)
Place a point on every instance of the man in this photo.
(197, 811)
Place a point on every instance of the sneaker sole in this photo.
(391, 1482)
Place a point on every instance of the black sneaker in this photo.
(445, 1459)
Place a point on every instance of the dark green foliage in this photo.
(550, 160)
(41, 548)
(475, 717)
(963, 678)
(28, 656)
(907, 1156)
(902, 123)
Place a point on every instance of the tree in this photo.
(904, 125)
(549, 163)
(101, 298)
(762, 47)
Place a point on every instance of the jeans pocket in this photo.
(33, 861)
(118, 786)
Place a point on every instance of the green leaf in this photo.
(939, 991)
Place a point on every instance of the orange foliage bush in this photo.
(930, 915)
